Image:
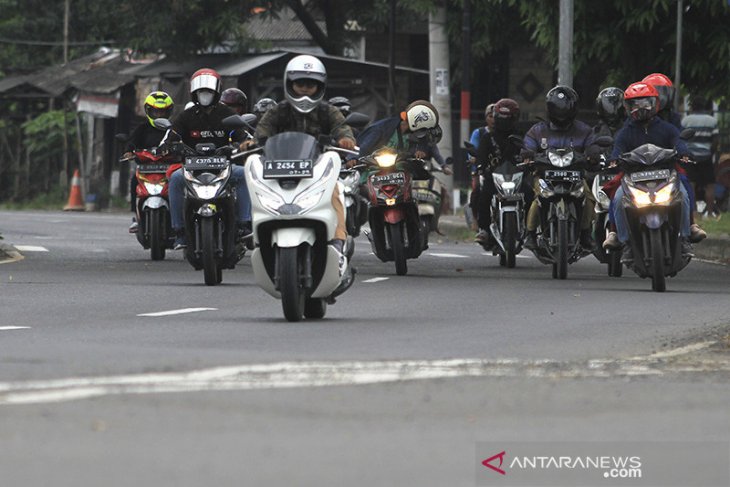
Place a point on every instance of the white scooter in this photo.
(291, 183)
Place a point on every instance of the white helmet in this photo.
(305, 67)
(420, 115)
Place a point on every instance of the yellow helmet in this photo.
(158, 104)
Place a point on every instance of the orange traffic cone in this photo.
(75, 200)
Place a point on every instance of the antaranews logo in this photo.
(488, 462)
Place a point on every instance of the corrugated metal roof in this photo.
(241, 66)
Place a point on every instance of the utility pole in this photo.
(565, 44)
(439, 66)
(66, 12)
(678, 59)
(465, 72)
(391, 60)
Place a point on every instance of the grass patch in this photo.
(715, 227)
(53, 200)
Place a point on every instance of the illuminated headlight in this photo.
(270, 201)
(664, 195)
(154, 189)
(641, 198)
(386, 159)
(207, 191)
(560, 161)
(545, 190)
(308, 199)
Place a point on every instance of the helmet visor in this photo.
(207, 81)
(154, 112)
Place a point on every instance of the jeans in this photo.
(685, 183)
(176, 190)
(622, 225)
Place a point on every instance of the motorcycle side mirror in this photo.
(162, 124)
(687, 134)
(604, 141)
(470, 149)
(516, 141)
(357, 120)
(239, 121)
(121, 137)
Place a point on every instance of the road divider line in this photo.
(348, 373)
(376, 279)
(178, 311)
(31, 248)
(448, 256)
(8, 328)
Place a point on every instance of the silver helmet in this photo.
(305, 67)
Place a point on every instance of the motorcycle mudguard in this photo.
(262, 276)
(653, 220)
(393, 215)
(331, 277)
(155, 202)
(425, 209)
(292, 236)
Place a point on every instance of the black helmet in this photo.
(610, 105)
(342, 104)
(262, 106)
(234, 98)
(562, 105)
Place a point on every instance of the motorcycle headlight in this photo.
(498, 179)
(560, 161)
(641, 198)
(224, 173)
(546, 191)
(207, 191)
(269, 200)
(664, 195)
(577, 191)
(309, 199)
(386, 158)
(153, 189)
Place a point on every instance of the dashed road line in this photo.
(448, 256)
(178, 311)
(8, 328)
(31, 248)
(376, 279)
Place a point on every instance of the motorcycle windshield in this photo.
(648, 155)
(508, 168)
(291, 146)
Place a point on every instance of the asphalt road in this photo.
(400, 384)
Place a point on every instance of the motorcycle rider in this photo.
(342, 104)
(645, 127)
(665, 89)
(561, 130)
(610, 110)
(493, 148)
(704, 146)
(476, 135)
(261, 107)
(157, 104)
(304, 110)
(202, 123)
(236, 99)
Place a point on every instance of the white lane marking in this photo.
(31, 248)
(319, 374)
(448, 256)
(178, 311)
(377, 279)
(681, 350)
(8, 328)
(519, 256)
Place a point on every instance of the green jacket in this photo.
(325, 119)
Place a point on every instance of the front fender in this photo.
(292, 236)
(155, 202)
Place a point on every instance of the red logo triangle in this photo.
(487, 463)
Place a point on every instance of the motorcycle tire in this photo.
(292, 293)
(426, 222)
(395, 234)
(509, 237)
(658, 280)
(562, 262)
(315, 308)
(156, 219)
(353, 228)
(207, 251)
(615, 267)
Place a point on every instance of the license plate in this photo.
(650, 175)
(287, 169)
(152, 168)
(197, 163)
(563, 175)
(424, 195)
(392, 178)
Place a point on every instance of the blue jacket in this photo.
(542, 136)
(657, 132)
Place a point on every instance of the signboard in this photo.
(442, 81)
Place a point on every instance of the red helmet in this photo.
(641, 101)
(205, 79)
(506, 114)
(664, 88)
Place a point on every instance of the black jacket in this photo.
(196, 125)
(145, 136)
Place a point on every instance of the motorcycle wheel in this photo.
(292, 294)
(509, 237)
(562, 263)
(395, 233)
(615, 268)
(207, 244)
(156, 220)
(426, 229)
(351, 222)
(315, 308)
(658, 280)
